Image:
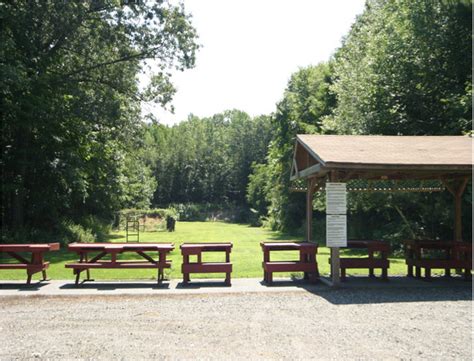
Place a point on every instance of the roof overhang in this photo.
(382, 157)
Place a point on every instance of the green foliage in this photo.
(73, 232)
(206, 160)
(229, 212)
(70, 104)
(258, 188)
(306, 101)
(405, 68)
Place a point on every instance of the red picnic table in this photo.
(196, 249)
(113, 249)
(370, 262)
(306, 263)
(435, 254)
(33, 265)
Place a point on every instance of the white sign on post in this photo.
(336, 219)
(336, 230)
(336, 198)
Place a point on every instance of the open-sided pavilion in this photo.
(318, 159)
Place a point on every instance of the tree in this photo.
(306, 101)
(405, 68)
(70, 101)
(206, 159)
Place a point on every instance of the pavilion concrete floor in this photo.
(367, 319)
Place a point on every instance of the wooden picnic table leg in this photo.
(410, 271)
(467, 274)
(371, 257)
(88, 272)
(343, 274)
(43, 270)
(227, 259)
(418, 272)
(427, 273)
(77, 271)
(161, 265)
(266, 258)
(384, 256)
(304, 258)
(447, 272)
(269, 278)
(186, 274)
(30, 271)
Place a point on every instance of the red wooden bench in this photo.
(429, 254)
(196, 249)
(33, 265)
(371, 262)
(113, 249)
(306, 263)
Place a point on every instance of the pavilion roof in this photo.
(316, 155)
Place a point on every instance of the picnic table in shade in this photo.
(197, 249)
(306, 261)
(101, 250)
(370, 262)
(33, 264)
(434, 254)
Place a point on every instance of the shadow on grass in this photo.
(109, 237)
(284, 237)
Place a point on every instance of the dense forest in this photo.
(75, 149)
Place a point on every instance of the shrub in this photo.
(73, 232)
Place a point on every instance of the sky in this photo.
(250, 48)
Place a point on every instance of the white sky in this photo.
(249, 50)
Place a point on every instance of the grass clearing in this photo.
(246, 254)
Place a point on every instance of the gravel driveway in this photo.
(432, 324)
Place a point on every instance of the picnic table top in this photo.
(275, 246)
(29, 247)
(206, 246)
(142, 246)
(437, 244)
(367, 243)
(429, 243)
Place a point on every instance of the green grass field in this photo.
(246, 254)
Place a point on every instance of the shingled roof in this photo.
(321, 153)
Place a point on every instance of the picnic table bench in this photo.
(34, 264)
(85, 262)
(306, 263)
(430, 254)
(370, 262)
(196, 249)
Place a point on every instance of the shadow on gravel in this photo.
(201, 284)
(23, 286)
(400, 289)
(112, 286)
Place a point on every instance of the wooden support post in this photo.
(335, 259)
(457, 193)
(312, 187)
(335, 266)
(458, 210)
(458, 218)
(309, 211)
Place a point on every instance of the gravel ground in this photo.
(432, 324)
